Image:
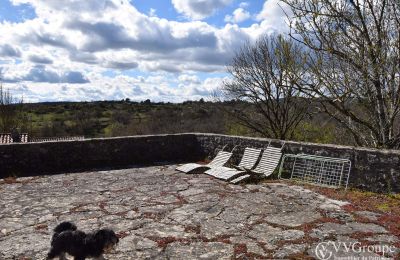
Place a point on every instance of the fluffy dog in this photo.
(67, 239)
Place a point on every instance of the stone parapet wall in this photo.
(373, 170)
(108, 153)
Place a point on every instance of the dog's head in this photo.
(107, 239)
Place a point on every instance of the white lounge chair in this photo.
(248, 161)
(267, 164)
(220, 160)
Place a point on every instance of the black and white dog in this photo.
(67, 239)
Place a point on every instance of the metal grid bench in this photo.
(5, 139)
(324, 171)
(57, 139)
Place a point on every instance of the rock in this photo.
(255, 249)
(162, 230)
(271, 235)
(366, 228)
(340, 215)
(215, 227)
(191, 192)
(16, 245)
(199, 250)
(162, 214)
(384, 239)
(295, 218)
(288, 250)
(368, 215)
(327, 229)
(145, 243)
(234, 215)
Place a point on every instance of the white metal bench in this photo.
(320, 170)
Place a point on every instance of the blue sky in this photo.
(169, 50)
(15, 13)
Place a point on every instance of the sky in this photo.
(162, 50)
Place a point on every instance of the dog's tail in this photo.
(64, 226)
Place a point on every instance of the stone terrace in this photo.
(163, 214)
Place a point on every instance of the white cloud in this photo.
(199, 9)
(63, 53)
(41, 73)
(40, 59)
(89, 38)
(152, 12)
(238, 16)
(244, 4)
(123, 38)
(188, 79)
(7, 50)
(159, 87)
(273, 15)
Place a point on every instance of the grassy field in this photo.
(104, 119)
(121, 118)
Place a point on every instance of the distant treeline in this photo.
(121, 118)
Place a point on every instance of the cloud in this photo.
(122, 65)
(199, 9)
(154, 37)
(73, 77)
(156, 87)
(188, 79)
(85, 38)
(40, 73)
(102, 35)
(71, 6)
(273, 15)
(152, 12)
(36, 33)
(204, 89)
(83, 50)
(244, 4)
(238, 16)
(40, 59)
(82, 57)
(7, 50)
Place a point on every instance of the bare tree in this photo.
(265, 76)
(355, 65)
(10, 110)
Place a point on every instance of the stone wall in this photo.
(74, 156)
(373, 170)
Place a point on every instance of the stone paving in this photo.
(160, 213)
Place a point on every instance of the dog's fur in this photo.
(67, 239)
